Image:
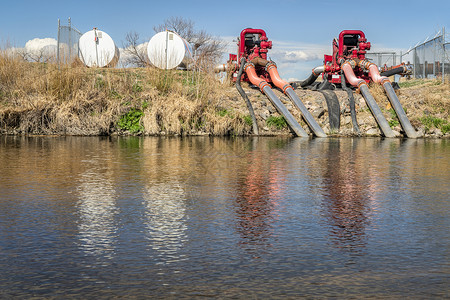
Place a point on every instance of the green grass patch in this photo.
(433, 122)
(277, 122)
(131, 121)
(248, 120)
(394, 122)
(137, 87)
(99, 83)
(224, 112)
(410, 83)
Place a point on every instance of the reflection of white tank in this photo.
(167, 50)
(97, 49)
(97, 211)
(166, 219)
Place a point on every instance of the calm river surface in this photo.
(93, 217)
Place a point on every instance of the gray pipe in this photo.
(406, 125)
(351, 101)
(299, 131)
(315, 73)
(306, 114)
(376, 111)
(244, 95)
(393, 71)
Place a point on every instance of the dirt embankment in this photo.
(42, 99)
(426, 102)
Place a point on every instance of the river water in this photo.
(104, 217)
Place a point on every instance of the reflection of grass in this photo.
(277, 122)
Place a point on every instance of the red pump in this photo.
(253, 46)
(352, 44)
(349, 59)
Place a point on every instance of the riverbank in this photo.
(42, 99)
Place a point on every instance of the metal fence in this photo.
(381, 59)
(67, 46)
(429, 59)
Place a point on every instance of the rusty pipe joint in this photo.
(270, 65)
(258, 61)
(351, 62)
(364, 64)
(374, 73)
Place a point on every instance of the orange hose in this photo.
(375, 74)
(254, 79)
(271, 67)
(350, 75)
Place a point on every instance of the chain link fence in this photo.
(384, 59)
(67, 46)
(429, 59)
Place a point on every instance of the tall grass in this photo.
(40, 98)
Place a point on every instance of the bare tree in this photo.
(40, 55)
(184, 27)
(135, 51)
(207, 48)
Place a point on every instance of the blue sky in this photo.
(291, 25)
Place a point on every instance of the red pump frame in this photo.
(249, 54)
(341, 53)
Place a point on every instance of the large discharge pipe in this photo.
(265, 88)
(347, 67)
(384, 81)
(247, 101)
(271, 67)
(404, 121)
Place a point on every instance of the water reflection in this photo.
(97, 210)
(346, 194)
(314, 212)
(165, 212)
(258, 192)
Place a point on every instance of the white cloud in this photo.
(37, 49)
(38, 44)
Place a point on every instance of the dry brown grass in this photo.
(419, 98)
(44, 99)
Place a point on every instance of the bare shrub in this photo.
(135, 51)
(207, 48)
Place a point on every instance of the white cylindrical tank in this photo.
(97, 49)
(168, 50)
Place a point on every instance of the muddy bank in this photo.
(40, 99)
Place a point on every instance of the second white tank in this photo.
(168, 50)
(97, 49)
